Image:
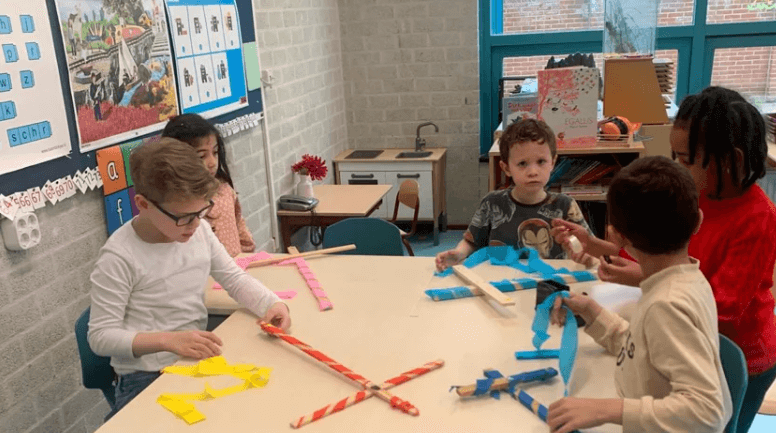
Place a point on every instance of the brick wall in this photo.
(409, 62)
(523, 16)
(728, 11)
(43, 290)
(746, 70)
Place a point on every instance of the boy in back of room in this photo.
(520, 216)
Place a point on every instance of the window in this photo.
(740, 11)
(676, 13)
(536, 16)
(750, 71)
(707, 43)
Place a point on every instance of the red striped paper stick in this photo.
(360, 396)
(394, 401)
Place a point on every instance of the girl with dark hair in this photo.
(226, 216)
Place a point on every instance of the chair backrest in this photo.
(96, 370)
(409, 196)
(736, 373)
(372, 236)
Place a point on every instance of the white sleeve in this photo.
(243, 288)
(112, 281)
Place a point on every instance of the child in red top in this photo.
(720, 138)
(226, 216)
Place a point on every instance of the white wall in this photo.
(407, 62)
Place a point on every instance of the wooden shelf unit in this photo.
(496, 179)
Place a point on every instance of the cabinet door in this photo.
(425, 193)
(368, 178)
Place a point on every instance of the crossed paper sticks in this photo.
(369, 388)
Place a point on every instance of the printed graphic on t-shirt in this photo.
(628, 348)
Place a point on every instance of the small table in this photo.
(335, 203)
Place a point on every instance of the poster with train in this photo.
(120, 68)
(208, 55)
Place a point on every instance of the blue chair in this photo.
(737, 375)
(96, 370)
(372, 236)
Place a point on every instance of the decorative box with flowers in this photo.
(309, 168)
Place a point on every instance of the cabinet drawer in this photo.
(425, 193)
(368, 178)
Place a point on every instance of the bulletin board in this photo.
(28, 76)
(208, 55)
(35, 177)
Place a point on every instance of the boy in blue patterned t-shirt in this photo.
(520, 216)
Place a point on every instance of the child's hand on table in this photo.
(569, 414)
(194, 344)
(580, 305)
(278, 315)
(449, 258)
(620, 271)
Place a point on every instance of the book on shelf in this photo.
(517, 107)
(568, 102)
(596, 174)
(583, 189)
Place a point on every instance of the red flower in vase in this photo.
(311, 165)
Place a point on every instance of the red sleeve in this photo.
(624, 254)
(746, 269)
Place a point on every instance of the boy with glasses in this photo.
(148, 284)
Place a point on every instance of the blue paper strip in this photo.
(568, 345)
(538, 354)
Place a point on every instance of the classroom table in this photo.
(382, 324)
(335, 203)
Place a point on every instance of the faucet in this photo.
(420, 142)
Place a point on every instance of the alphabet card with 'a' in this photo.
(33, 126)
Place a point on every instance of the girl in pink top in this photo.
(226, 215)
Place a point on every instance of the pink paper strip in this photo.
(286, 295)
(314, 284)
(319, 292)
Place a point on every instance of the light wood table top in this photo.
(382, 324)
(344, 200)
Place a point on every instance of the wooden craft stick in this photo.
(502, 383)
(360, 396)
(274, 260)
(471, 278)
(534, 406)
(394, 401)
(505, 286)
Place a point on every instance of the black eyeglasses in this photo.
(188, 218)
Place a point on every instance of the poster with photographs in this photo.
(208, 55)
(120, 68)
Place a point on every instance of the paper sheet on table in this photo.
(617, 298)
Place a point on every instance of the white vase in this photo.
(305, 186)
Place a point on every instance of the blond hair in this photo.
(168, 169)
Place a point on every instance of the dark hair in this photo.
(719, 121)
(190, 128)
(166, 169)
(524, 131)
(653, 202)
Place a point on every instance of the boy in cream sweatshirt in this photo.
(668, 374)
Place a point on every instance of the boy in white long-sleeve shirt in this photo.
(668, 375)
(148, 284)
